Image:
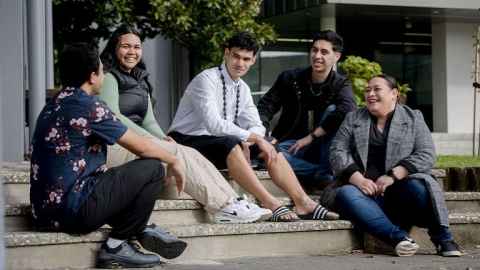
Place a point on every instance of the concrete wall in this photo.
(12, 82)
(452, 55)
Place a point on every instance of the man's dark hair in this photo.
(77, 62)
(244, 41)
(330, 36)
(391, 82)
(108, 56)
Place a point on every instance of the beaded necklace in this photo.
(225, 97)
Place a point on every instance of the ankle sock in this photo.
(113, 242)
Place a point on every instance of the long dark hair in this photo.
(108, 56)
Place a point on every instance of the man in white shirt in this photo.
(217, 117)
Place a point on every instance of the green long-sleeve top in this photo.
(110, 95)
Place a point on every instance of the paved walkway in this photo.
(360, 261)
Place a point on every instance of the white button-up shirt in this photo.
(200, 111)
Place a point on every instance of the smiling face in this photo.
(380, 97)
(322, 56)
(128, 51)
(238, 61)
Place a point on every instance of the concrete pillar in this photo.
(452, 56)
(157, 54)
(2, 205)
(439, 78)
(36, 60)
(50, 83)
(12, 97)
(327, 17)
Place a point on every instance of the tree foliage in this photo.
(202, 26)
(359, 71)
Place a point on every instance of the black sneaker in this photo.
(161, 242)
(125, 256)
(449, 249)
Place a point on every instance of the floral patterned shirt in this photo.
(68, 154)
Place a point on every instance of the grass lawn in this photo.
(457, 161)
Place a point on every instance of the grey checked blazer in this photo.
(409, 139)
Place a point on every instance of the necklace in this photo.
(225, 97)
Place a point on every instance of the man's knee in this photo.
(151, 168)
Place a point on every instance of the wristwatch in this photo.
(312, 134)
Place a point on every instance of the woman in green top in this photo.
(128, 93)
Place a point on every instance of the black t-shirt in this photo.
(377, 146)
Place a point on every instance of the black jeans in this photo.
(123, 198)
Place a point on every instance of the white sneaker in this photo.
(238, 211)
(406, 247)
(265, 213)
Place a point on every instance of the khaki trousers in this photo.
(203, 182)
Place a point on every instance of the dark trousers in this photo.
(123, 198)
(215, 148)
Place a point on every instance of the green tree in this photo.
(203, 26)
(359, 71)
(94, 20)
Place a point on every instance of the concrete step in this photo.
(165, 212)
(16, 179)
(168, 212)
(33, 250)
(188, 211)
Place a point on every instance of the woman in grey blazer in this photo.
(382, 156)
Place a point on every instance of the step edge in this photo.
(23, 176)
(31, 238)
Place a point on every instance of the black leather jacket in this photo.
(292, 92)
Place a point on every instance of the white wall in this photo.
(459, 51)
(452, 55)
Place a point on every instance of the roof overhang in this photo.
(462, 4)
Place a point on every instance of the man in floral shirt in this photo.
(71, 188)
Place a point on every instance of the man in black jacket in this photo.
(314, 102)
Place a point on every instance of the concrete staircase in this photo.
(185, 218)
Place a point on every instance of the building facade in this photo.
(426, 43)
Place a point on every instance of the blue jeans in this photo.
(405, 203)
(318, 165)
